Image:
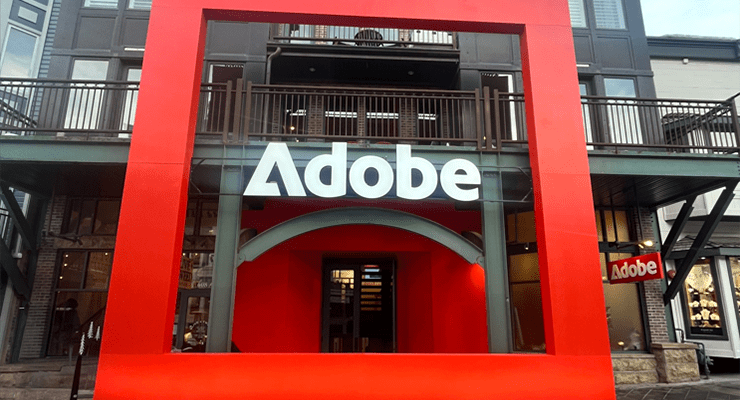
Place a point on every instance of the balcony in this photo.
(483, 120)
(361, 36)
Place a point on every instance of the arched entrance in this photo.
(282, 295)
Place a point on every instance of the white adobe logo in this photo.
(277, 154)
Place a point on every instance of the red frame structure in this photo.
(135, 360)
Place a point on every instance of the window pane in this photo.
(73, 264)
(599, 228)
(196, 271)
(524, 268)
(86, 217)
(701, 301)
(529, 331)
(623, 231)
(18, 55)
(74, 313)
(623, 317)
(74, 216)
(609, 14)
(106, 219)
(208, 217)
(190, 218)
(735, 271)
(98, 270)
(86, 99)
(132, 97)
(618, 87)
(101, 3)
(140, 4)
(577, 13)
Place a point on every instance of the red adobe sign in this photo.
(640, 268)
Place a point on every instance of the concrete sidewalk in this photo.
(718, 387)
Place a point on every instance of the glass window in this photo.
(208, 219)
(140, 4)
(87, 213)
(577, 13)
(86, 99)
(73, 268)
(80, 302)
(623, 118)
(623, 311)
(132, 97)
(18, 56)
(526, 301)
(702, 301)
(196, 270)
(98, 270)
(106, 217)
(619, 87)
(609, 14)
(190, 218)
(92, 217)
(613, 226)
(735, 271)
(101, 3)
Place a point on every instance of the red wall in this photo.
(441, 298)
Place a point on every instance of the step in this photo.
(41, 394)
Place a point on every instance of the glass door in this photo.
(359, 306)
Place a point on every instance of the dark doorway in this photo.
(359, 310)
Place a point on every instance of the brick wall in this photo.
(39, 307)
(656, 318)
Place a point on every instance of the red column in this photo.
(146, 265)
(564, 211)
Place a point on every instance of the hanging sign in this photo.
(459, 178)
(634, 269)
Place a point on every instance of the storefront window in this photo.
(735, 272)
(79, 307)
(623, 312)
(702, 301)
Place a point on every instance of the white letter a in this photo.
(275, 154)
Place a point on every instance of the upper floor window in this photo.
(577, 13)
(101, 3)
(92, 217)
(17, 59)
(609, 14)
(140, 4)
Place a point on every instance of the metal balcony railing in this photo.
(240, 112)
(361, 36)
(696, 126)
(68, 108)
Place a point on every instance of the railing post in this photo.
(478, 130)
(487, 117)
(227, 113)
(238, 107)
(247, 110)
(497, 117)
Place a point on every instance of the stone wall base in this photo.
(676, 362)
(631, 368)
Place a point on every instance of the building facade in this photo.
(700, 68)
(393, 154)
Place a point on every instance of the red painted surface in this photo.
(634, 269)
(138, 326)
(261, 376)
(441, 298)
